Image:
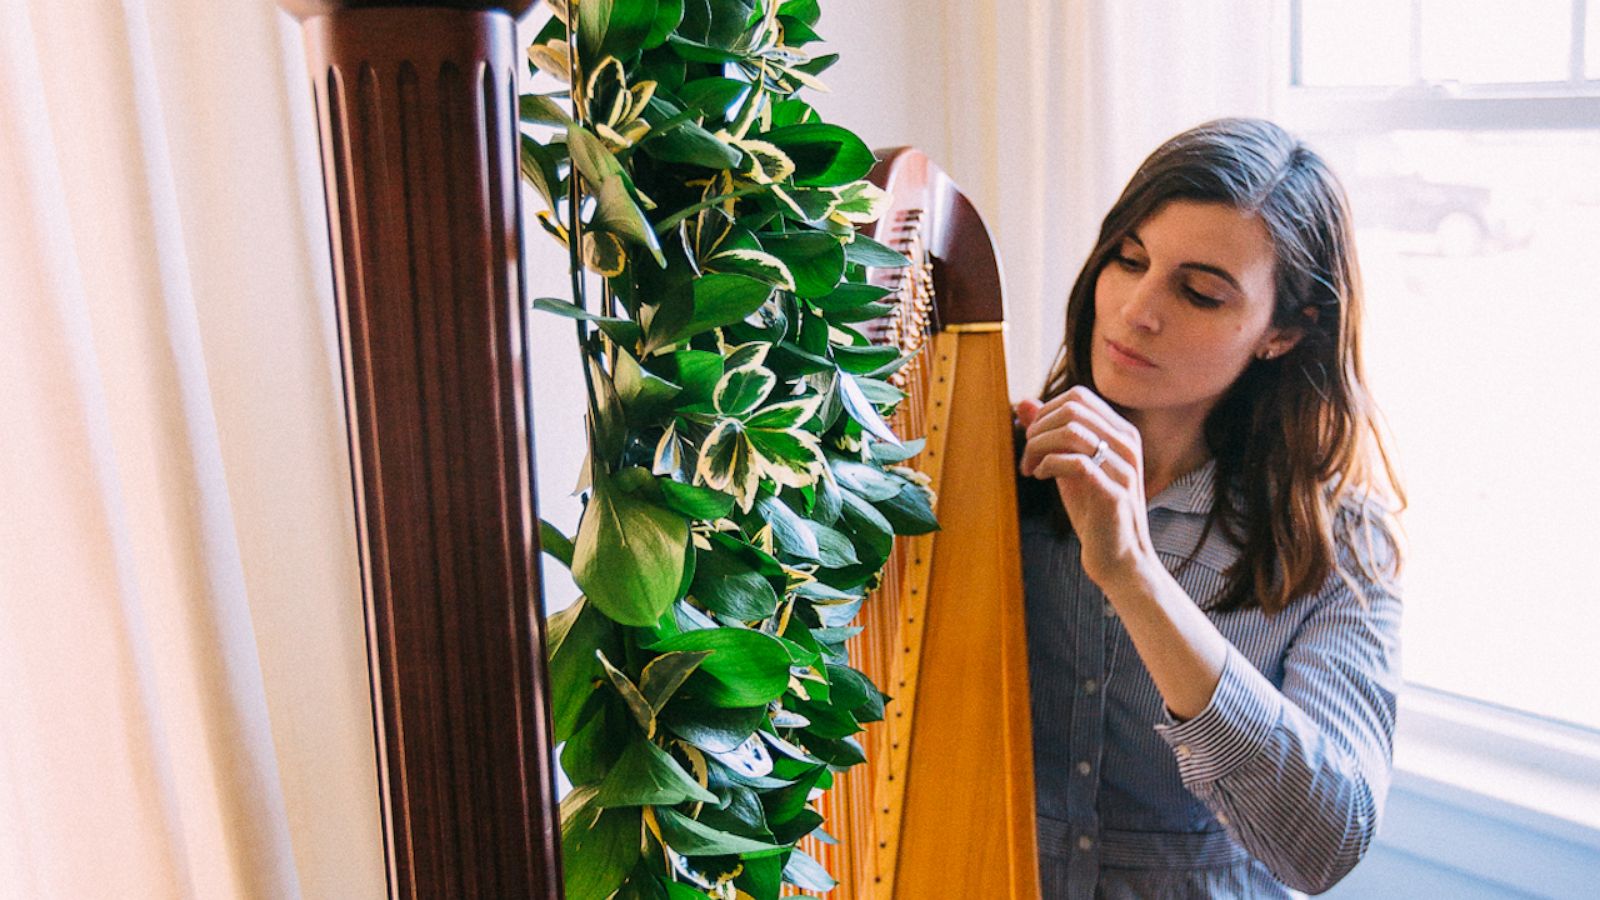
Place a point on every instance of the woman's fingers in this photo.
(1073, 437)
(1074, 442)
(1074, 412)
(1028, 410)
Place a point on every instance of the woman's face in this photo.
(1182, 307)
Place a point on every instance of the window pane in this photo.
(1354, 42)
(1483, 349)
(1496, 42)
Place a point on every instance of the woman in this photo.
(1210, 570)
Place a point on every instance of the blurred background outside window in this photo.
(1468, 138)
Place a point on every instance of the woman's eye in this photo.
(1202, 300)
(1127, 262)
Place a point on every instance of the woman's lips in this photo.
(1127, 357)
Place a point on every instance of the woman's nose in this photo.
(1142, 309)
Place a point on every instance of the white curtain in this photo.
(1041, 110)
(183, 697)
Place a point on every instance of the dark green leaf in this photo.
(686, 141)
(744, 806)
(623, 331)
(553, 542)
(728, 587)
(698, 372)
(691, 838)
(719, 299)
(646, 775)
(910, 511)
(871, 529)
(694, 501)
(762, 877)
(823, 154)
(643, 393)
(716, 97)
(864, 251)
(746, 668)
(797, 33)
(669, 13)
(574, 635)
(805, 11)
(864, 313)
(849, 296)
(712, 729)
(598, 847)
(796, 828)
(597, 741)
(861, 360)
(614, 27)
(716, 23)
(629, 556)
(815, 259)
(842, 752)
(694, 51)
(818, 64)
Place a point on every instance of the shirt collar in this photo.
(1191, 493)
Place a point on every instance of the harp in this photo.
(944, 805)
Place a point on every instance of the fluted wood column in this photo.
(416, 108)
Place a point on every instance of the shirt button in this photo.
(1090, 685)
(1084, 768)
(1183, 751)
(1085, 843)
(1110, 610)
(1222, 819)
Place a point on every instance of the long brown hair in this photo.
(1304, 482)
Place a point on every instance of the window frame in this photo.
(1517, 769)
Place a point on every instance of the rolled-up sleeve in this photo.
(1299, 775)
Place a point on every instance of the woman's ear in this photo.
(1279, 341)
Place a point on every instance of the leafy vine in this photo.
(743, 485)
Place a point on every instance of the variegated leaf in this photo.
(791, 458)
(755, 263)
(861, 202)
(551, 59)
(768, 164)
(787, 414)
(742, 389)
(603, 253)
(726, 463)
(750, 353)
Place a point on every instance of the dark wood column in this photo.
(417, 114)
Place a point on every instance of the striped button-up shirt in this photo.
(1276, 787)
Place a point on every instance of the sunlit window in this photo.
(1468, 138)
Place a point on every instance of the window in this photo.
(1468, 137)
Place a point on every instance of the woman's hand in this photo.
(1105, 501)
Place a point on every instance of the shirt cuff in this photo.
(1233, 727)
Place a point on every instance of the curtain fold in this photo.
(185, 709)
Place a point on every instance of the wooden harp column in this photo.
(417, 116)
(944, 805)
